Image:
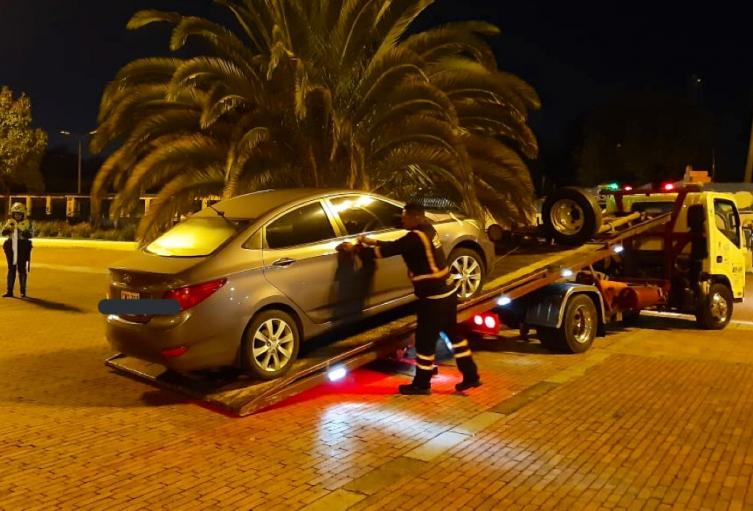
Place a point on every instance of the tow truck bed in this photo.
(517, 273)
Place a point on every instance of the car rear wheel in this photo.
(271, 344)
(468, 272)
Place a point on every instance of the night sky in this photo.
(577, 56)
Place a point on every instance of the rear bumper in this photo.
(206, 349)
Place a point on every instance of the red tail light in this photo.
(174, 352)
(487, 323)
(668, 187)
(190, 296)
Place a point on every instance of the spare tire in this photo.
(571, 216)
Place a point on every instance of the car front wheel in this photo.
(468, 272)
(271, 344)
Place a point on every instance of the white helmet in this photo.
(18, 207)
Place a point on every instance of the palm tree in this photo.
(317, 93)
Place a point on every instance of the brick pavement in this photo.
(76, 436)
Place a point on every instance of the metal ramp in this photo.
(517, 273)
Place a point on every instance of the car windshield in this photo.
(195, 237)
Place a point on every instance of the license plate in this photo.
(129, 295)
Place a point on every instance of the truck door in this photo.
(726, 249)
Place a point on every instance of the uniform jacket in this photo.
(422, 252)
(17, 246)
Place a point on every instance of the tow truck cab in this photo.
(706, 237)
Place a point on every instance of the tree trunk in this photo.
(6, 201)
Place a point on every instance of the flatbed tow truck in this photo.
(567, 293)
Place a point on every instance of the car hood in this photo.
(143, 262)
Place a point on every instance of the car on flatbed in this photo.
(258, 274)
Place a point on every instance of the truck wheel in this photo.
(468, 272)
(571, 216)
(270, 345)
(578, 330)
(716, 310)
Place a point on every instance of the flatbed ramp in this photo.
(521, 270)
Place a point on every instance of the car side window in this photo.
(727, 220)
(307, 224)
(361, 213)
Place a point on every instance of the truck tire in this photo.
(468, 270)
(715, 310)
(270, 345)
(571, 216)
(578, 330)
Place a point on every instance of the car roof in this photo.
(257, 204)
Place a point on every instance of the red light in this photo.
(174, 352)
(190, 296)
(627, 188)
(478, 320)
(668, 187)
(490, 322)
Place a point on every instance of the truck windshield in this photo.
(195, 237)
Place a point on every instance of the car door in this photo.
(361, 214)
(300, 259)
(727, 257)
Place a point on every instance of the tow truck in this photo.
(677, 248)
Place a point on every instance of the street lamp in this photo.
(80, 151)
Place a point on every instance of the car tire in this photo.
(571, 216)
(715, 310)
(270, 345)
(467, 266)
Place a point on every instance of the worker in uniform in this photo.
(436, 291)
(17, 247)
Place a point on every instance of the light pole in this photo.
(80, 152)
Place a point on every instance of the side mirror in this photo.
(495, 232)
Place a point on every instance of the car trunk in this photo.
(147, 276)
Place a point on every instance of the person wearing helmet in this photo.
(17, 247)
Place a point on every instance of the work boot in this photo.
(414, 390)
(468, 384)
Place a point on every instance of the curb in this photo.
(126, 246)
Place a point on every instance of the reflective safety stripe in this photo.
(466, 353)
(437, 275)
(439, 297)
(428, 358)
(425, 368)
(461, 344)
(429, 250)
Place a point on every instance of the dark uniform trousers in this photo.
(24, 250)
(435, 316)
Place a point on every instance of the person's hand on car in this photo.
(363, 240)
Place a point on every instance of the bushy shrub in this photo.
(84, 230)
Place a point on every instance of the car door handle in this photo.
(284, 262)
(719, 259)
